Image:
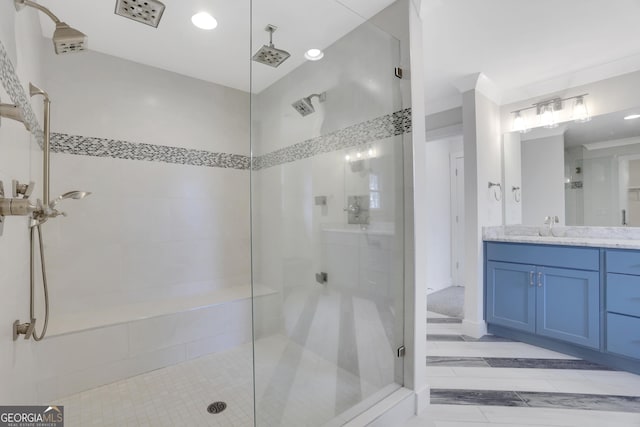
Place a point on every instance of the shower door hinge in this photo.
(401, 73)
(401, 351)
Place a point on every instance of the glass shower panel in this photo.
(327, 217)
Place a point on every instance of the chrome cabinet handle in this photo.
(539, 279)
(531, 274)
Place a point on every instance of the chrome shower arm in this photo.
(21, 3)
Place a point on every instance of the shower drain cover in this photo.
(216, 407)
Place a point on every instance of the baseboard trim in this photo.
(474, 329)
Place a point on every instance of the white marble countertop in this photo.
(603, 237)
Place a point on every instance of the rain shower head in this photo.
(144, 11)
(68, 40)
(268, 54)
(304, 105)
(65, 38)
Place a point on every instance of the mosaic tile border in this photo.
(118, 149)
(376, 129)
(18, 95)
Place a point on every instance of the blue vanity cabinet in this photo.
(568, 305)
(511, 295)
(623, 303)
(545, 290)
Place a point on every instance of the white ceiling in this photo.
(517, 43)
(221, 55)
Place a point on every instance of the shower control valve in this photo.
(22, 190)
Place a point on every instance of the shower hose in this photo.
(32, 281)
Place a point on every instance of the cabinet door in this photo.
(568, 305)
(511, 295)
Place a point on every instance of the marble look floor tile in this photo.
(504, 362)
(589, 402)
(444, 328)
(432, 314)
(513, 373)
(444, 337)
(494, 384)
(492, 349)
(582, 401)
(475, 397)
(558, 417)
(486, 338)
(456, 361)
(456, 413)
(443, 320)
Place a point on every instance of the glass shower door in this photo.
(327, 219)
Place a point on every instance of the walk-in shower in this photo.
(65, 38)
(186, 283)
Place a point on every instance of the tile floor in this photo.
(288, 377)
(472, 387)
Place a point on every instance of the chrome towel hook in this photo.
(517, 195)
(497, 190)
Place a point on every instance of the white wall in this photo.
(482, 164)
(543, 179)
(438, 197)
(150, 230)
(19, 159)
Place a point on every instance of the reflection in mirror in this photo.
(587, 174)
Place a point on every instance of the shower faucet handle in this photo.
(22, 190)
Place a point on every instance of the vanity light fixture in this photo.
(314, 54)
(632, 117)
(548, 116)
(547, 112)
(204, 21)
(580, 111)
(520, 123)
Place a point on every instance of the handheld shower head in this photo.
(76, 195)
(304, 105)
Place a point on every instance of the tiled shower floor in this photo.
(295, 387)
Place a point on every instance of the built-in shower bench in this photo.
(61, 324)
(86, 350)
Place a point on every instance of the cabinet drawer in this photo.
(623, 294)
(626, 262)
(623, 335)
(579, 258)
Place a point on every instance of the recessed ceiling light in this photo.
(314, 54)
(632, 117)
(204, 21)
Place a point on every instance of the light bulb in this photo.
(347, 157)
(580, 112)
(519, 123)
(547, 116)
(204, 21)
(358, 154)
(314, 54)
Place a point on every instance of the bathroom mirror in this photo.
(587, 174)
